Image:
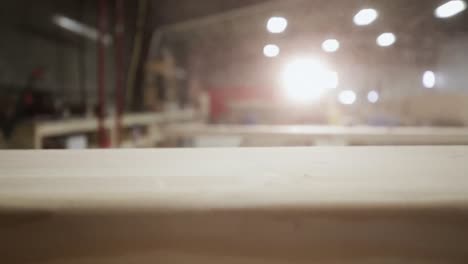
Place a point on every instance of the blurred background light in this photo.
(373, 96)
(271, 50)
(429, 79)
(450, 8)
(79, 28)
(331, 79)
(331, 45)
(306, 79)
(277, 24)
(386, 39)
(365, 17)
(347, 97)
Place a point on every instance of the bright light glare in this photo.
(386, 39)
(429, 79)
(365, 17)
(373, 97)
(347, 97)
(450, 8)
(271, 50)
(330, 45)
(277, 24)
(332, 79)
(307, 79)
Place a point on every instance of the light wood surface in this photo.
(270, 205)
(243, 178)
(326, 135)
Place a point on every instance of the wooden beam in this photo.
(39, 130)
(271, 205)
(329, 135)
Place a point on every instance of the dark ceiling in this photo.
(412, 20)
(170, 11)
(229, 40)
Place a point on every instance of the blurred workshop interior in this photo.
(112, 73)
(234, 131)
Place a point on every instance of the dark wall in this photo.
(30, 40)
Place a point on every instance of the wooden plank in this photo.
(270, 205)
(302, 175)
(43, 129)
(357, 135)
(61, 127)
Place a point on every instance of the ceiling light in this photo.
(306, 79)
(450, 8)
(330, 45)
(373, 97)
(80, 28)
(347, 97)
(277, 24)
(365, 17)
(386, 39)
(271, 50)
(429, 79)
